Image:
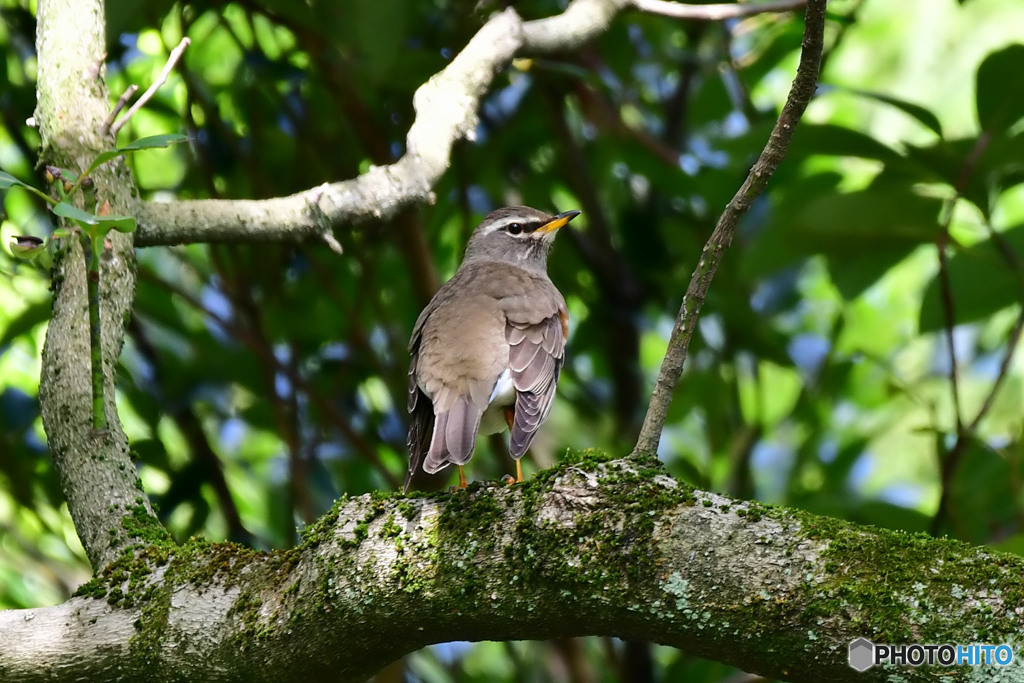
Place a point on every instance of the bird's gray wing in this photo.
(536, 353)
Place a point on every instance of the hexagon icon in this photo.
(862, 654)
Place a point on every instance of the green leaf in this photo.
(24, 322)
(106, 223)
(866, 231)
(945, 162)
(811, 139)
(981, 281)
(102, 158)
(982, 471)
(8, 181)
(71, 212)
(27, 247)
(153, 142)
(149, 142)
(1000, 94)
(916, 111)
(125, 224)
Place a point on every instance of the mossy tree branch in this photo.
(592, 548)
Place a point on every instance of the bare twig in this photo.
(800, 94)
(123, 100)
(172, 59)
(678, 10)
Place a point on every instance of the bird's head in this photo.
(516, 234)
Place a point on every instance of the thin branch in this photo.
(945, 287)
(123, 100)
(99, 404)
(951, 462)
(172, 59)
(800, 94)
(949, 319)
(678, 10)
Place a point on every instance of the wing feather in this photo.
(421, 419)
(536, 353)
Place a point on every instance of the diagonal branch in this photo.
(446, 112)
(800, 94)
(172, 59)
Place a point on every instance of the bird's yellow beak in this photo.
(558, 221)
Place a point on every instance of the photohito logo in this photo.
(864, 654)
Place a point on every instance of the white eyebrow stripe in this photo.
(530, 225)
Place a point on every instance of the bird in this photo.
(487, 350)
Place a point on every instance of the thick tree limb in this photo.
(446, 109)
(614, 548)
(96, 472)
(800, 94)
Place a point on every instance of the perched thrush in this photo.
(487, 349)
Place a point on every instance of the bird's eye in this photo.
(514, 228)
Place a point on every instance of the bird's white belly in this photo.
(502, 396)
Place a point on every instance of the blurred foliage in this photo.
(258, 383)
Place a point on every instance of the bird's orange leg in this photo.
(510, 417)
(462, 478)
